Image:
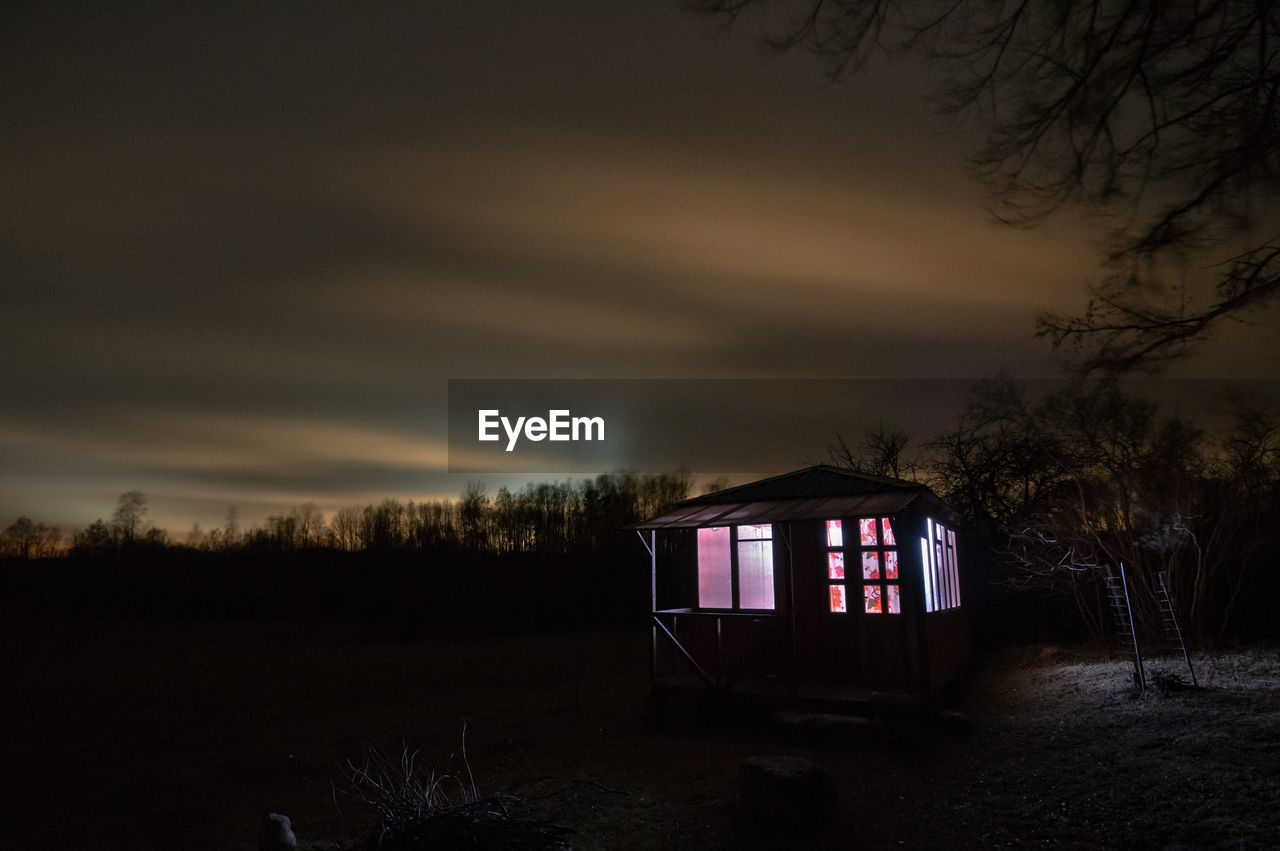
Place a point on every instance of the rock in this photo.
(841, 726)
(823, 724)
(955, 722)
(277, 834)
(786, 800)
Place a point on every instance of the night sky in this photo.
(243, 251)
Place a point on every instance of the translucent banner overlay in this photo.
(737, 425)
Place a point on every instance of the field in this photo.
(155, 733)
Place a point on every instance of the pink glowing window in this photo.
(835, 535)
(867, 531)
(715, 569)
(837, 599)
(755, 571)
(888, 533)
(890, 564)
(835, 566)
(895, 605)
(744, 553)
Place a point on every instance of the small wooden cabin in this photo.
(821, 584)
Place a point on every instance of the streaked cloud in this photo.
(244, 248)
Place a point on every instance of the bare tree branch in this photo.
(1163, 116)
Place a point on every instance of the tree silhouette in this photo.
(130, 516)
(1090, 477)
(94, 540)
(1162, 116)
(880, 454)
(25, 538)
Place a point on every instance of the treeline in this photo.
(543, 518)
(548, 556)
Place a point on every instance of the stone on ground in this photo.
(786, 799)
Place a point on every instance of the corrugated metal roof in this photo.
(743, 513)
(817, 481)
(812, 493)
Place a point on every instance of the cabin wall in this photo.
(950, 644)
(808, 597)
(946, 635)
(851, 648)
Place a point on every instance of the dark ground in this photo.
(182, 734)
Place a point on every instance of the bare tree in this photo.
(1161, 116)
(24, 539)
(130, 516)
(231, 532)
(719, 483)
(310, 524)
(346, 528)
(1088, 477)
(880, 454)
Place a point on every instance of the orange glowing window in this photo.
(890, 564)
(870, 565)
(835, 565)
(837, 599)
(867, 532)
(895, 604)
(871, 599)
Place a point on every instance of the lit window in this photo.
(715, 569)
(877, 555)
(735, 567)
(867, 531)
(835, 565)
(837, 599)
(871, 599)
(755, 567)
(941, 572)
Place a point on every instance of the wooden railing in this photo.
(739, 644)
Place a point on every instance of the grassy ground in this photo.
(146, 733)
(1070, 755)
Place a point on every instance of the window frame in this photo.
(939, 567)
(885, 542)
(735, 577)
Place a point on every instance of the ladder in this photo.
(1169, 625)
(1122, 614)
